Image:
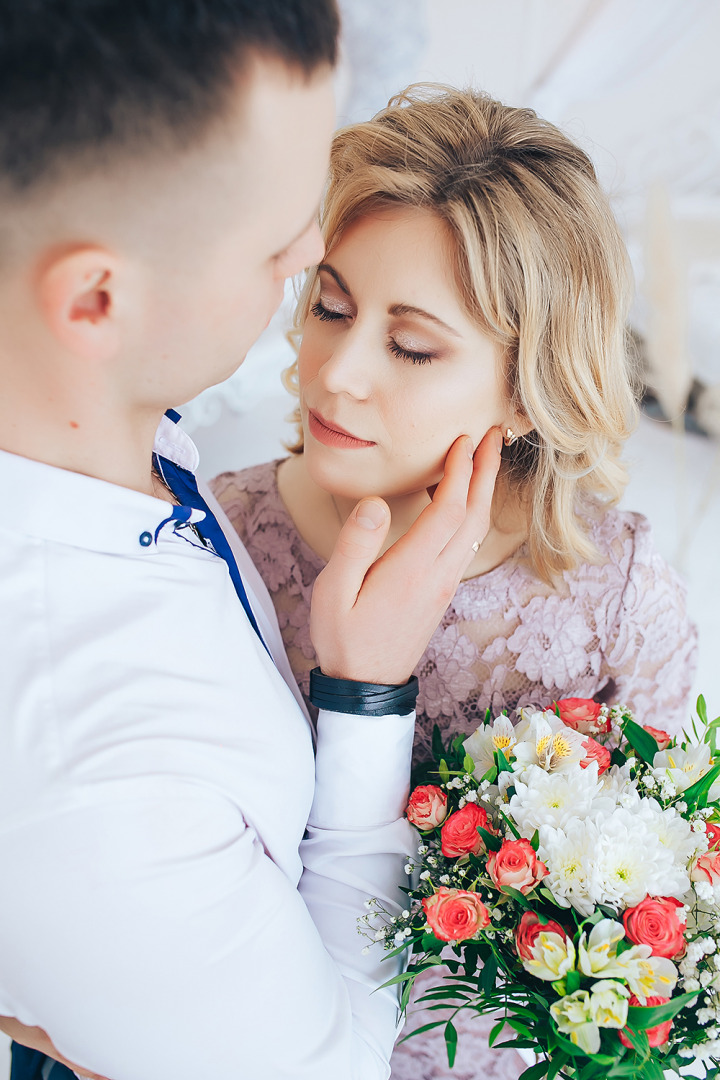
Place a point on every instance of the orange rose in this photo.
(707, 868)
(655, 922)
(595, 752)
(582, 714)
(427, 807)
(459, 833)
(516, 865)
(661, 737)
(455, 915)
(658, 1035)
(527, 932)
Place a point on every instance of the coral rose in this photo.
(582, 714)
(455, 915)
(713, 835)
(707, 868)
(595, 752)
(661, 737)
(427, 807)
(459, 833)
(658, 1035)
(527, 931)
(656, 922)
(516, 865)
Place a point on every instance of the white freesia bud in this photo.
(609, 1003)
(573, 1016)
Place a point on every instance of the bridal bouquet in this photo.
(568, 878)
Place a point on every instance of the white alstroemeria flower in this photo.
(573, 1017)
(609, 1003)
(482, 744)
(544, 740)
(555, 798)
(600, 948)
(552, 957)
(682, 767)
(646, 975)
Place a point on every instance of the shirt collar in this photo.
(43, 502)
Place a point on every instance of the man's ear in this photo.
(76, 295)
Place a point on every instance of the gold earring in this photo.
(509, 437)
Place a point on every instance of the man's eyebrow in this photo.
(407, 309)
(334, 274)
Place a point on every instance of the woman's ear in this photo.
(76, 297)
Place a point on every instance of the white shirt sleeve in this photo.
(148, 931)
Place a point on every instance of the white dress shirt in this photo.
(161, 915)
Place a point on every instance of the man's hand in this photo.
(371, 620)
(37, 1039)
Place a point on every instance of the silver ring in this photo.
(476, 546)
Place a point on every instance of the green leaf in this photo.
(488, 975)
(572, 981)
(697, 794)
(502, 762)
(468, 764)
(516, 895)
(496, 1032)
(556, 1064)
(451, 1042)
(535, 840)
(492, 841)
(420, 1030)
(511, 824)
(701, 709)
(534, 1072)
(641, 741)
(642, 1017)
(491, 775)
(443, 771)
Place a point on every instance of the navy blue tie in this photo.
(184, 487)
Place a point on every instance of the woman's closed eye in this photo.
(409, 354)
(326, 314)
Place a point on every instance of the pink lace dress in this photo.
(617, 631)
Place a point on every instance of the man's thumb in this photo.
(358, 546)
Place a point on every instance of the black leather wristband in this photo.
(361, 698)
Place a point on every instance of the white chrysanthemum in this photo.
(569, 855)
(617, 784)
(612, 859)
(672, 830)
(632, 863)
(543, 739)
(482, 744)
(556, 798)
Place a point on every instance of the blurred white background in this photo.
(638, 84)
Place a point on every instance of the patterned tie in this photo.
(184, 487)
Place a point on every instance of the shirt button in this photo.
(146, 539)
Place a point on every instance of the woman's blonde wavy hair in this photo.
(541, 266)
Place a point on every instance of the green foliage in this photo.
(641, 741)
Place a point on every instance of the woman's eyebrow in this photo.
(334, 274)
(407, 309)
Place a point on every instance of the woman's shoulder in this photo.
(624, 540)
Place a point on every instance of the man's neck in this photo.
(99, 442)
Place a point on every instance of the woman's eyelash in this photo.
(408, 354)
(324, 314)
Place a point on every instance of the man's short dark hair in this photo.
(81, 77)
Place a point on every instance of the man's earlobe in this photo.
(75, 294)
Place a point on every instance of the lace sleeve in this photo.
(651, 652)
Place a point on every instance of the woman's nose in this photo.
(348, 369)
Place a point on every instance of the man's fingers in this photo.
(358, 546)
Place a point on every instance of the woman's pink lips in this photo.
(332, 436)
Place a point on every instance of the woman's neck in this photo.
(319, 516)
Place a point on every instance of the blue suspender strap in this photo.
(183, 485)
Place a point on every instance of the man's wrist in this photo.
(361, 698)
